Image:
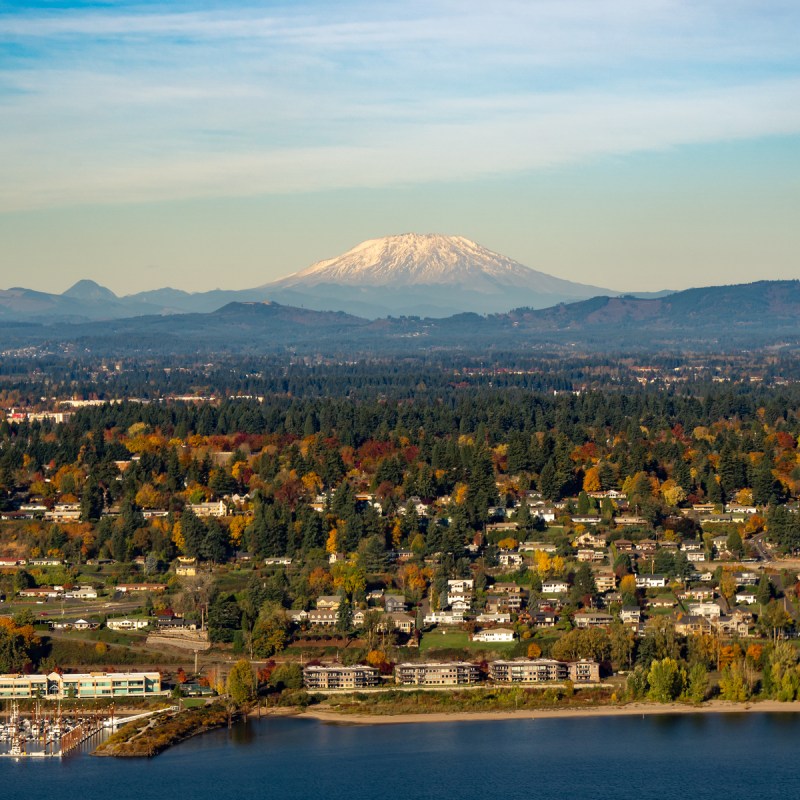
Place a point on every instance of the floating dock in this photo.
(43, 736)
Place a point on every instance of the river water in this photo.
(702, 757)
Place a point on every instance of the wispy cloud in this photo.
(132, 103)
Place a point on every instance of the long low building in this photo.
(91, 685)
(339, 677)
(543, 670)
(428, 673)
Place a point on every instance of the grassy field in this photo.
(459, 640)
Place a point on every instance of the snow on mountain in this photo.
(413, 259)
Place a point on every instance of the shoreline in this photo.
(628, 710)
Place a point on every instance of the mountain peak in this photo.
(413, 259)
(89, 290)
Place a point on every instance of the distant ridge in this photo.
(713, 318)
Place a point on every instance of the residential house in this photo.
(692, 624)
(708, 610)
(591, 539)
(324, 618)
(130, 588)
(629, 519)
(532, 547)
(605, 581)
(662, 601)
(81, 593)
(64, 512)
(74, 624)
(630, 614)
(443, 618)
(510, 559)
(186, 566)
(592, 619)
(42, 593)
(128, 623)
(589, 555)
(217, 509)
(494, 635)
(398, 621)
(645, 581)
(496, 617)
(393, 603)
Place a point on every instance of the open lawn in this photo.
(440, 639)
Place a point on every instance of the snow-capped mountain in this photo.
(411, 275)
(427, 274)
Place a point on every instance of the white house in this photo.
(651, 581)
(510, 558)
(494, 635)
(128, 623)
(443, 618)
(82, 593)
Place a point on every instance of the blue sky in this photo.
(632, 144)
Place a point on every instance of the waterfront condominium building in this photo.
(543, 670)
(339, 677)
(428, 673)
(90, 685)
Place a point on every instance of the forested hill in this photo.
(764, 305)
(760, 314)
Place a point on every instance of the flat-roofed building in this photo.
(534, 670)
(340, 677)
(584, 671)
(543, 670)
(430, 673)
(86, 685)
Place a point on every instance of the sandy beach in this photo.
(631, 709)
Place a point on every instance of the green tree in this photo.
(697, 688)
(241, 685)
(344, 618)
(270, 633)
(623, 643)
(765, 591)
(732, 684)
(666, 679)
(734, 544)
(636, 683)
(775, 619)
(287, 676)
(92, 500)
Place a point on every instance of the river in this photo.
(703, 756)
